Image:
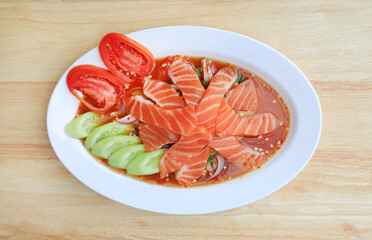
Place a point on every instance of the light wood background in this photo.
(331, 41)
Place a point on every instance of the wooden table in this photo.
(331, 41)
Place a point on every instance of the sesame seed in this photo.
(287, 128)
(262, 153)
(259, 137)
(167, 179)
(267, 139)
(267, 152)
(274, 101)
(278, 143)
(167, 175)
(254, 168)
(281, 123)
(229, 178)
(194, 181)
(203, 174)
(211, 174)
(205, 171)
(127, 86)
(150, 76)
(256, 148)
(224, 167)
(164, 64)
(260, 149)
(107, 45)
(271, 145)
(127, 73)
(241, 114)
(121, 47)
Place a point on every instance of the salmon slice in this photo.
(243, 97)
(238, 154)
(207, 110)
(185, 77)
(154, 137)
(193, 168)
(229, 123)
(179, 120)
(162, 94)
(183, 150)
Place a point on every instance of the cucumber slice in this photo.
(109, 145)
(125, 155)
(106, 130)
(146, 163)
(81, 126)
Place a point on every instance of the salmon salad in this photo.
(179, 121)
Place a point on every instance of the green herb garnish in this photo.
(199, 71)
(179, 92)
(170, 82)
(204, 83)
(240, 79)
(224, 96)
(210, 158)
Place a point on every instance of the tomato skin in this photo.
(125, 57)
(100, 87)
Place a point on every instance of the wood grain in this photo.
(329, 40)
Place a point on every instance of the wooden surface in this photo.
(331, 41)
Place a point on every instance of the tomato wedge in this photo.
(100, 88)
(125, 57)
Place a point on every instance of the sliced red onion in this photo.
(221, 162)
(127, 119)
(209, 69)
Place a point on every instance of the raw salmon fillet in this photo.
(185, 77)
(183, 150)
(162, 94)
(243, 97)
(179, 120)
(207, 109)
(154, 137)
(235, 152)
(193, 168)
(229, 123)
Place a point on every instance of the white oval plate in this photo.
(273, 67)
